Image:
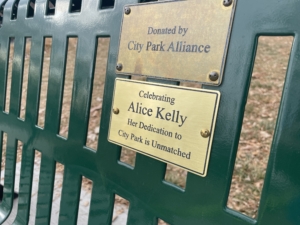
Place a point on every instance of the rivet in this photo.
(127, 10)
(119, 66)
(213, 76)
(227, 3)
(116, 111)
(205, 133)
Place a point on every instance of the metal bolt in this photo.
(227, 3)
(213, 76)
(119, 66)
(127, 10)
(116, 111)
(205, 133)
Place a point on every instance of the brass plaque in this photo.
(170, 123)
(179, 40)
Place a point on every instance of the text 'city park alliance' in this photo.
(174, 46)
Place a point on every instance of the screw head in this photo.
(116, 111)
(213, 76)
(119, 66)
(205, 133)
(127, 10)
(227, 3)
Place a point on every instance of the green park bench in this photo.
(211, 42)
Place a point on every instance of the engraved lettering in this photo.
(130, 45)
(182, 120)
(131, 107)
(123, 134)
(136, 138)
(132, 123)
(182, 30)
(140, 109)
(168, 116)
(171, 47)
(207, 48)
(136, 46)
(154, 96)
(149, 43)
(162, 47)
(154, 129)
(174, 116)
(155, 47)
(178, 46)
(158, 114)
(175, 151)
(200, 49)
(158, 31)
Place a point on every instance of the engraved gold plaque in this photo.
(179, 40)
(170, 123)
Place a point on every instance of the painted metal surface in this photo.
(204, 199)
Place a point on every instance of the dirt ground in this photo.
(258, 126)
(259, 123)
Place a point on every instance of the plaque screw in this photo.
(213, 76)
(127, 10)
(116, 111)
(119, 66)
(227, 3)
(205, 133)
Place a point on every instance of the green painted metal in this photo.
(204, 199)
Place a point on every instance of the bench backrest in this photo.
(204, 199)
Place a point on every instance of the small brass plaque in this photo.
(179, 40)
(170, 123)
